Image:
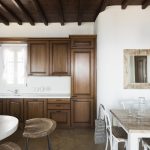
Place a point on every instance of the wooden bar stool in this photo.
(9, 146)
(37, 128)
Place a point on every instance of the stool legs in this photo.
(49, 143)
(27, 144)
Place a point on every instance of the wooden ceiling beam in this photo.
(4, 19)
(41, 11)
(61, 12)
(102, 7)
(4, 6)
(11, 12)
(79, 13)
(19, 5)
(124, 4)
(145, 4)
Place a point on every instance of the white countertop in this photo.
(34, 95)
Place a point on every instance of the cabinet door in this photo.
(15, 108)
(35, 108)
(82, 112)
(38, 58)
(3, 107)
(60, 57)
(82, 72)
(62, 117)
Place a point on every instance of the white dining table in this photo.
(8, 125)
(136, 128)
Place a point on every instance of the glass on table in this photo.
(141, 107)
(128, 106)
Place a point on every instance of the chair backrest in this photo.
(101, 112)
(108, 126)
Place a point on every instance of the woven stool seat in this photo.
(9, 146)
(38, 127)
(147, 141)
(119, 133)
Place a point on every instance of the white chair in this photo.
(146, 143)
(114, 134)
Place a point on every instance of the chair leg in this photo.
(115, 145)
(27, 144)
(125, 145)
(106, 147)
(49, 143)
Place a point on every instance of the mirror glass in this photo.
(136, 68)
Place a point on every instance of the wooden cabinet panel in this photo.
(59, 110)
(62, 117)
(82, 72)
(60, 58)
(35, 108)
(38, 58)
(59, 100)
(78, 42)
(82, 112)
(58, 106)
(15, 108)
(3, 107)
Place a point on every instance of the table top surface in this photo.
(8, 125)
(132, 123)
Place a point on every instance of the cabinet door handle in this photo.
(58, 111)
(74, 96)
(74, 100)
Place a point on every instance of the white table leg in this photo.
(133, 142)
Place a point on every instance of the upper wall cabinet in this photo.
(38, 58)
(60, 57)
(51, 57)
(82, 42)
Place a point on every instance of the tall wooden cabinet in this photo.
(83, 80)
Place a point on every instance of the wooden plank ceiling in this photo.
(63, 11)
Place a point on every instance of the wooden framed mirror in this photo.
(137, 68)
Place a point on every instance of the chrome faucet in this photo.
(14, 91)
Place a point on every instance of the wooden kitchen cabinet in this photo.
(60, 57)
(15, 108)
(83, 81)
(35, 108)
(3, 107)
(59, 110)
(38, 57)
(50, 57)
(62, 117)
(82, 112)
(82, 72)
(83, 61)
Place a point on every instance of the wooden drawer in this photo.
(82, 43)
(58, 106)
(62, 117)
(65, 101)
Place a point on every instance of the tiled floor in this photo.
(62, 139)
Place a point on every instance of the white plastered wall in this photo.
(40, 30)
(117, 30)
